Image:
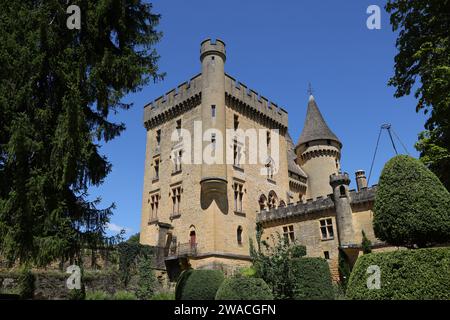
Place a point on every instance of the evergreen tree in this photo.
(57, 89)
(366, 244)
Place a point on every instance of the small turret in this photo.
(318, 151)
(340, 182)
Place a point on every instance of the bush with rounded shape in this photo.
(313, 279)
(411, 206)
(244, 288)
(420, 274)
(198, 284)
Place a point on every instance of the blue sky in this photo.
(275, 48)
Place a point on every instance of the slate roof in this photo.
(315, 127)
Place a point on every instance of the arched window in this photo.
(262, 202)
(273, 200)
(239, 235)
(282, 204)
(192, 237)
(342, 191)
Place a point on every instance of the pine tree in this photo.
(57, 88)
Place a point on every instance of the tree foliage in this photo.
(412, 207)
(271, 263)
(423, 64)
(58, 88)
(366, 244)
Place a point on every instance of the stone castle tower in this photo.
(203, 212)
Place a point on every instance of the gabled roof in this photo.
(315, 127)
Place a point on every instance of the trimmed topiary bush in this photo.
(244, 288)
(198, 284)
(405, 274)
(313, 279)
(412, 207)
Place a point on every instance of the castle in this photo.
(205, 213)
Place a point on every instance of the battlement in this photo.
(339, 179)
(208, 47)
(296, 209)
(256, 102)
(314, 206)
(173, 98)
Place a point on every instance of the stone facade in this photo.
(205, 213)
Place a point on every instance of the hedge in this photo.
(244, 288)
(313, 279)
(411, 206)
(198, 284)
(405, 274)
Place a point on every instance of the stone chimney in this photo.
(361, 180)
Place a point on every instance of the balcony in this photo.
(183, 250)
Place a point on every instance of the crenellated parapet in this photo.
(341, 178)
(178, 100)
(314, 206)
(296, 209)
(239, 94)
(363, 195)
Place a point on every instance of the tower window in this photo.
(268, 138)
(236, 122)
(342, 191)
(239, 235)
(156, 169)
(213, 111)
(236, 154)
(177, 161)
(326, 229)
(288, 233)
(176, 199)
(154, 204)
(212, 58)
(238, 196)
(158, 137)
(326, 255)
(178, 128)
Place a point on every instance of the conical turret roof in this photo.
(315, 127)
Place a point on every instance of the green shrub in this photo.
(313, 279)
(244, 288)
(199, 284)
(147, 279)
(97, 295)
(163, 296)
(366, 244)
(412, 207)
(124, 295)
(181, 282)
(26, 283)
(405, 274)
